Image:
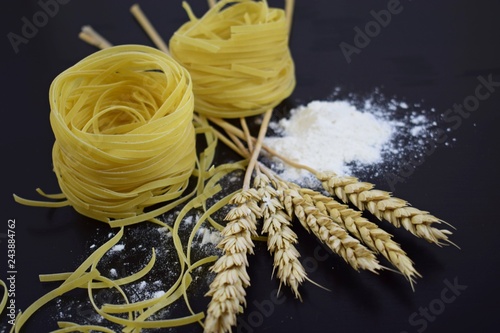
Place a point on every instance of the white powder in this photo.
(417, 130)
(209, 237)
(403, 105)
(158, 294)
(117, 248)
(142, 285)
(188, 220)
(166, 231)
(328, 135)
(351, 136)
(113, 273)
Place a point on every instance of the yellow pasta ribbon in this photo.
(238, 57)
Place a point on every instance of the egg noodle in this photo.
(126, 138)
(238, 58)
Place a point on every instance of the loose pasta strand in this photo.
(91, 36)
(149, 28)
(289, 8)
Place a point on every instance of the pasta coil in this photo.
(124, 136)
(238, 57)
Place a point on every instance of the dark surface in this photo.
(430, 52)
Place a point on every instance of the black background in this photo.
(431, 52)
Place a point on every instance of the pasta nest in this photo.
(238, 57)
(124, 136)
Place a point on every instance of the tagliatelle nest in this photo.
(257, 76)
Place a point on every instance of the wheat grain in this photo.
(327, 230)
(366, 231)
(281, 238)
(385, 207)
(228, 287)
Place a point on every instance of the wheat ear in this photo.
(228, 287)
(366, 231)
(327, 230)
(385, 207)
(281, 238)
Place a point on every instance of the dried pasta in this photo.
(238, 57)
(125, 140)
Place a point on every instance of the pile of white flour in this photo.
(328, 135)
(344, 138)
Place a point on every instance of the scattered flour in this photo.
(166, 231)
(209, 236)
(189, 220)
(117, 248)
(142, 285)
(158, 294)
(113, 273)
(347, 136)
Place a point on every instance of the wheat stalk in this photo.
(281, 238)
(228, 287)
(327, 230)
(366, 231)
(385, 207)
